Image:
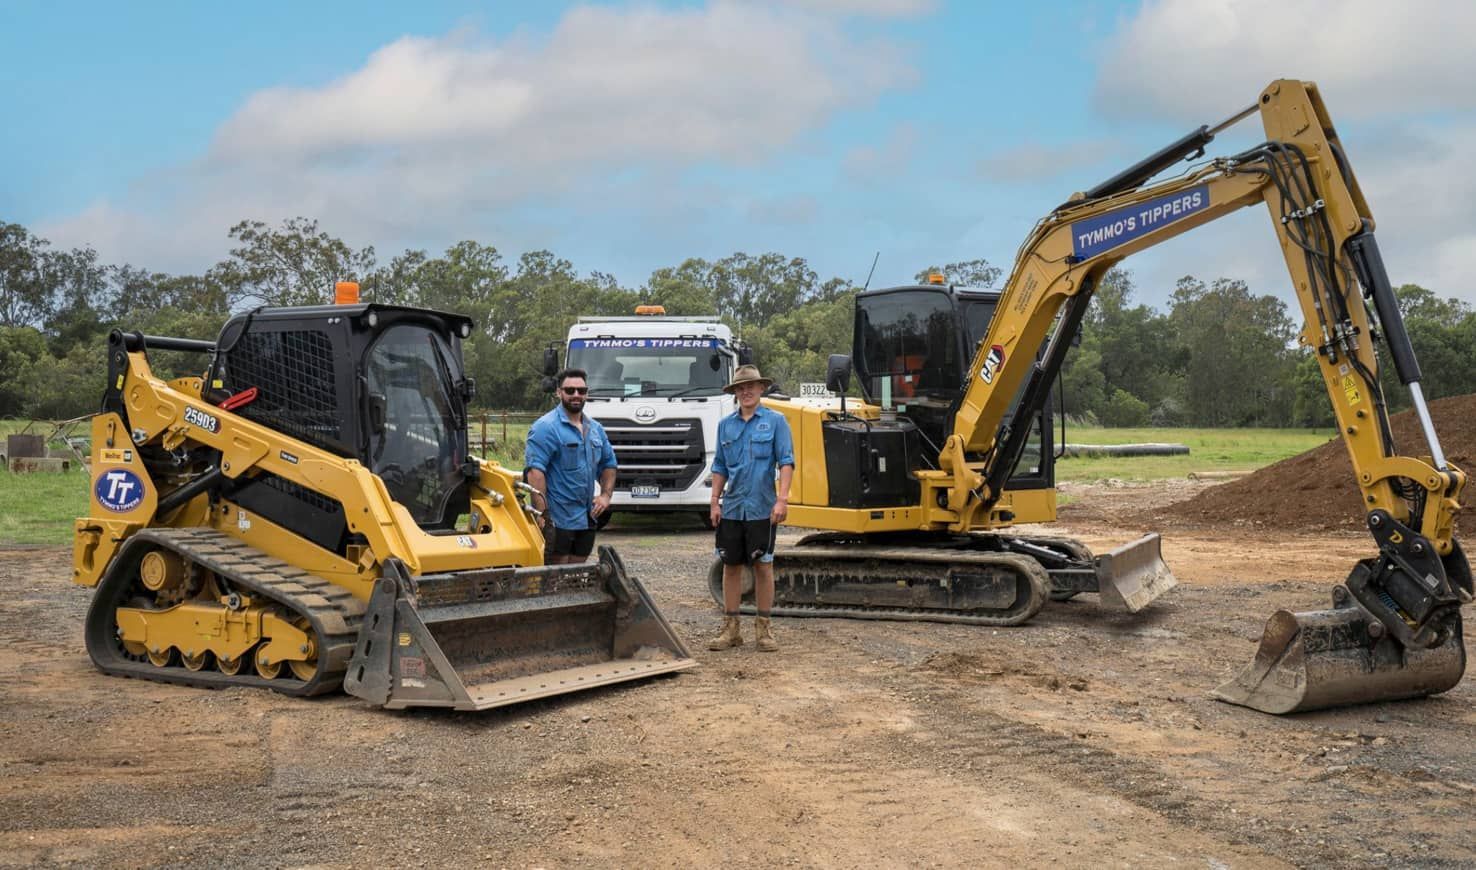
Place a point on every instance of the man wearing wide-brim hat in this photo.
(753, 444)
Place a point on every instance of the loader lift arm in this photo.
(1414, 588)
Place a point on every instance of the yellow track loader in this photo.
(307, 516)
(920, 486)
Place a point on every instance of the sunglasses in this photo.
(576, 391)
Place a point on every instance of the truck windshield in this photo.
(417, 433)
(653, 367)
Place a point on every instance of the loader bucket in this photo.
(1133, 575)
(474, 640)
(1331, 658)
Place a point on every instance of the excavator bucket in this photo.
(474, 640)
(1135, 574)
(1331, 658)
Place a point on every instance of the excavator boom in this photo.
(1395, 629)
(937, 468)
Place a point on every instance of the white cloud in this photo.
(876, 8)
(440, 137)
(1199, 60)
(1396, 80)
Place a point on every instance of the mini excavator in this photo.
(307, 516)
(919, 487)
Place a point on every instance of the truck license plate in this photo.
(645, 490)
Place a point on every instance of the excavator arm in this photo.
(1414, 588)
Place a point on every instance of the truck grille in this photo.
(668, 453)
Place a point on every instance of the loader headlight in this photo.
(372, 319)
(466, 330)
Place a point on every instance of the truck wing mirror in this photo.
(550, 362)
(745, 355)
(548, 384)
(838, 373)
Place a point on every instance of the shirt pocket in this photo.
(569, 456)
(761, 445)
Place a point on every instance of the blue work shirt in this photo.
(748, 454)
(571, 461)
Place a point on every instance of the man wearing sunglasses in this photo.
(567, 459)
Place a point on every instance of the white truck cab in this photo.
(656, 385)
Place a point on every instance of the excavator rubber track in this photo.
(332, 612)
(840, 575)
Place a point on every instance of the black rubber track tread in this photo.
(331, 610)
(1029, 570)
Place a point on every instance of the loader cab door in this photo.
(417, 421)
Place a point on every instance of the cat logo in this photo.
(992, 364)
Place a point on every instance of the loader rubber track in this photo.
(332, 611)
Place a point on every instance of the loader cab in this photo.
(912, 349)
(381, 384)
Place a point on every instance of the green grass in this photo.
(39, 508)
(1209, 450)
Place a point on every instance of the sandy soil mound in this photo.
(1315, 490)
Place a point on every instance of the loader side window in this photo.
(418, 439)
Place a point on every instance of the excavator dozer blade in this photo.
(1331, 658)
(1134, 575)
(474, 640)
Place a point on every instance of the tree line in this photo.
(1219, 356)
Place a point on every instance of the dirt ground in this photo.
(1087, 738)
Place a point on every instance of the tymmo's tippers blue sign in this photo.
(1104, 232)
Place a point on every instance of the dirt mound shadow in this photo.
(1315, 491)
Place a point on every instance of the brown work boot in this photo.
(763, 637)
(729, 637)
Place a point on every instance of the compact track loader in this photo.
(919, 489)
(307, 517)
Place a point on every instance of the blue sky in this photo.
(628, 136)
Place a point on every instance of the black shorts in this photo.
(744, 542)
(568, 542)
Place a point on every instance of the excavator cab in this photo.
(913, 346)
(914, 349)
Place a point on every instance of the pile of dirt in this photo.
(1315, 491)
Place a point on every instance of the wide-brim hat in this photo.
(747, 375)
